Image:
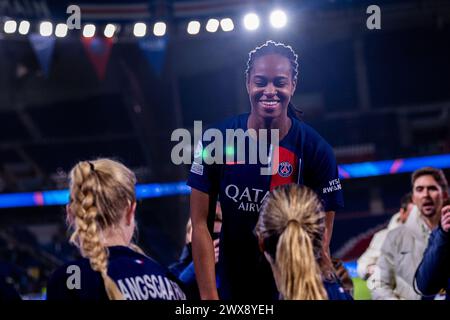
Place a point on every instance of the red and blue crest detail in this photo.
(285, 169)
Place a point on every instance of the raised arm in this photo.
(432, 273)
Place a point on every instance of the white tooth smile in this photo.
(269, 103)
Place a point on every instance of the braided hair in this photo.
(100, 191)
(272, 47)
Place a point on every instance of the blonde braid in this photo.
(86, 234)
(294, 214)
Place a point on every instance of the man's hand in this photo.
(445, 218)
(370, 270)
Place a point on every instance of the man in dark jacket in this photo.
(433, 274)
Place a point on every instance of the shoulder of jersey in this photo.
(311, 135)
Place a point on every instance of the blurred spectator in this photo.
(404, 246)
(433, 273)
(23, 261)
(368, 260)
(7, 291)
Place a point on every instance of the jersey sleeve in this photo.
(322, 175)
(204, 176)
(432, 275)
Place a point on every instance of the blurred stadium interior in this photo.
(372, 94)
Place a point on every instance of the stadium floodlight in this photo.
(140, 29)
(24, 27)
(251, 21)
(227, 24)
(61, 30)
(109, 31)
(159, 29)
(10, 26)
(278, 19)
(46, 28)
(88, 31)
(193, 27)
(212, 25)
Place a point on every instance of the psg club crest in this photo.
(285, 169)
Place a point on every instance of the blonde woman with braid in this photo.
(101, 213)
(290, 233)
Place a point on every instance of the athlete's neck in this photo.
(114, 237)
(282, 123)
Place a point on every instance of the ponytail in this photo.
(291, 226)
(299, 273)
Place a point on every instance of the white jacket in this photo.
(373, 251)
(401, 254)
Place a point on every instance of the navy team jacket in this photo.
(138, 277)
(433, 273)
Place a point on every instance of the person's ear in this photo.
(294, 86)
(263, 250)
(131, 210)
(247, 85)
(261, 244)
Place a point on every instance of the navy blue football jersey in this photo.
(138, 277)
(304, 157)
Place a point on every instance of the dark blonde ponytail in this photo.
(293, 215)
